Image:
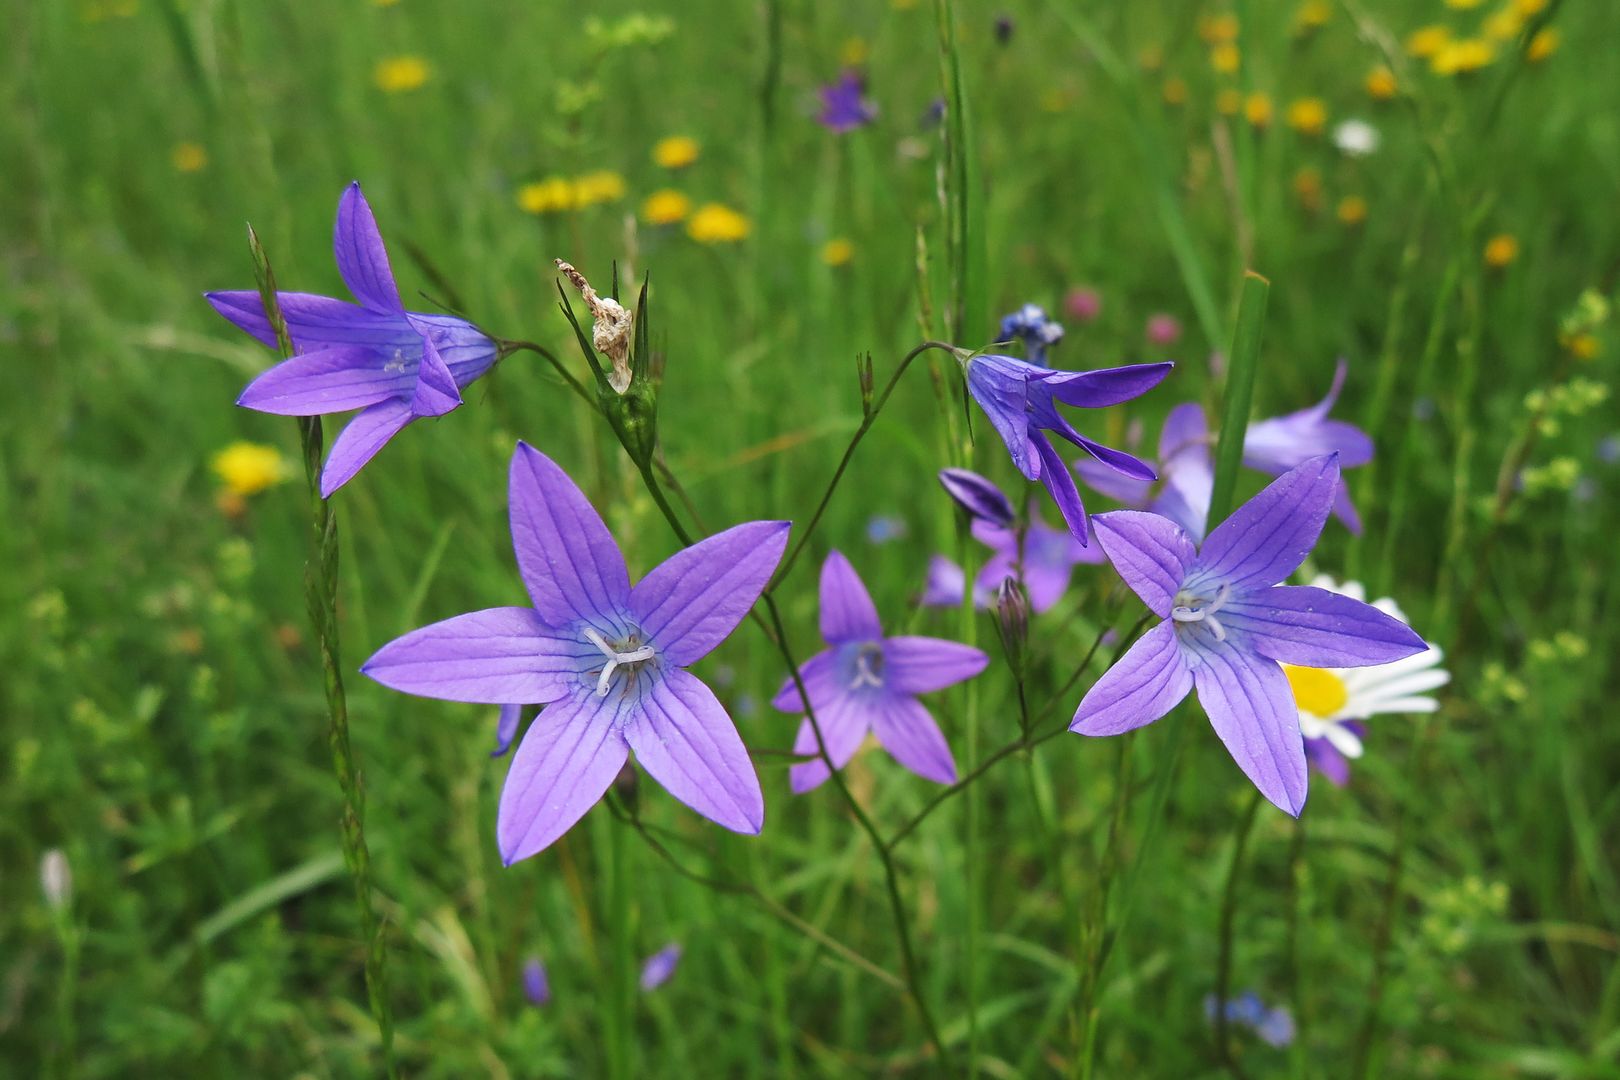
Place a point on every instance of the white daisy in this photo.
(1357, 138)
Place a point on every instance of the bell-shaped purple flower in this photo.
(844, 105)
(866, 682)
(1021, 401)
(1229, 626)
(1274, 446)
(608, 660)
(393, 365)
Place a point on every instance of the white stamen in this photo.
(864, 675)
(1200, 610)
(615, 658)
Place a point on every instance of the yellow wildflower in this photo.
(1308, 188)
(601, 186)
(1308, 116)
(552, 195)
(1500, 250)
(1352, 210)
(1312, 15)
(1257, 108)
(1543, 45)
(248, 468)
(1528, 8)
(1583, 346)
(838, 251)
(1218, 29)
(715, 223)
(1427, 41)
(666, 207)
(1381, 84)
(400, 73)
(675, 152)
(1225, 58)
(1462, 57)
(1463, 5)
(1228, 102)
(188, 157)
(1175, 91)
(1503, 25)
(854, 52)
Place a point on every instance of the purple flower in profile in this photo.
(1228, 626)
(608, 660)
(1030, 325)
(659, 968)
(1186, 473)
(1021, 401)
(844, 106)
(536, 987)
(393, 365)
(1274, 446)
(979, 496)
(1047, 562)
(868, 682)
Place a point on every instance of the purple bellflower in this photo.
(1030, 325)
(393, 365)
(1048, 561)
(660, 967)
(536, 987)
(1186, 473)
(1274, 446)
(1021, 401)
(844, 106)
(868, 682)
(608, 660)
(979, 496)
(1228, 626)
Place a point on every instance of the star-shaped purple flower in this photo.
(1276, 445)
(393, 365)
(868, 682)
(1048, 561)
(844, 106)
(1021, 401)
(1227, 625)
(608, 660)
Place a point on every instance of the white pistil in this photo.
(1194, 609)
(614, 658)
(864, 673)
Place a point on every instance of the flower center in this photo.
(1192, 608)
(868, 666)
(629, 654)
(1317, 691)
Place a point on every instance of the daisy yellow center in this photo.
(1317, 691)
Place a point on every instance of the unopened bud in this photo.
(1012, 621)
(610, 329)
(978, 496)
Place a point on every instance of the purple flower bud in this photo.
(978, 496)
(536, 987)
(659, 967)
(1012, 621)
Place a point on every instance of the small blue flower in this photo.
(1030, 325)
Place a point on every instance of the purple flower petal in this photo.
(1267, 537)
(1060, 485)
(1150, 679)
(562, 768)
(318, 322)
(1105, 386)
(1000, 385)
(503, 654)
(566, 555)
(1327, 760)
(685, 740)
(328, 381)
(696, 597)
(1251, 707)
(1185, 428)
(360, 440)
(843, 727)
(819, 675)
(979, 496)
(1112, 483)
(536, 987)
(361, 257)
(847, 611)
(1310, 627)
(911, 736)
(921, 665)
(506, 728)
(1153, 554)
(660, 966)
(436, 392)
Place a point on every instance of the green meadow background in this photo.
(1453, 912)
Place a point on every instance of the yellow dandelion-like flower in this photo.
(1257, 109)
(1381, 84)
(1308, 116)
(1308, 188)
(1463, 5)
(1500, 250)
(854, 52)
(1426, 41)
(188, 157)
(398, 74)
(1312, 15)
(553, 195)
(1352, 210)
(666, 207)
(1503, 25)
(1218, 29)
(1225, 58)
(715, 223)
(1462, 57)
(675, 152)
(1228, 102)
(1528, 8)
(838, 251)
(1175, 91)
(247, 468)
(601, 186)
(1543, 45)
(1585, 346)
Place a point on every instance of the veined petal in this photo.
(329, 381)
(562, 768)
(999, 385)
(909, 733)
(844, 724)
(1152, 553)
(1328, 761)
(503, 654)
(567, 557)
(1105, 386)
(1059, 483)
(1310, 627)
(694, 600)
(1185, 428)
(361, 257)
(1149, 680)
(979, 496)
(1267, 537)
(921, 665)
(1251, 707)
(820, 677)
(436, 392)
(318, 322)
(685, 740)
(847, 611)
(1118, 460)
(360, 440)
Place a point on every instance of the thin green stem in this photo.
(1223, 958)
(1097, 916)
(1239, 398)
(506, 348)
(619, 1001)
